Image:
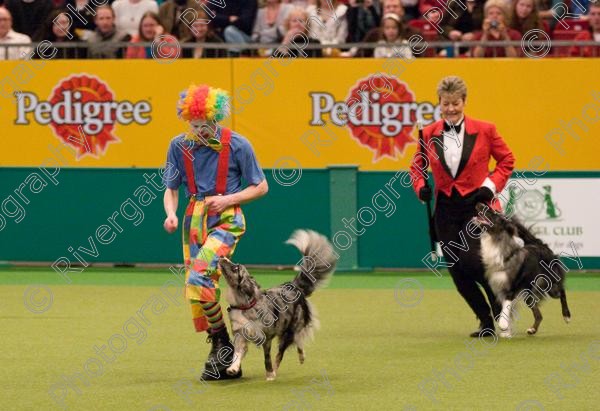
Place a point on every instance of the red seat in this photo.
(428, 32)
(576, 26)
(422, 24)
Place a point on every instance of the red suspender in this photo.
(188, 159)
(223, 166)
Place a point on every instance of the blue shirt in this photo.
(243, 166)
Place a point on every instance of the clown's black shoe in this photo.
(219, 358)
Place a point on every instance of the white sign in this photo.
(558, 211)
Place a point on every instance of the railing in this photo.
(173, 49)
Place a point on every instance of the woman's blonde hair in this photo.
(296, 11)
(501, 4)
(452, 85)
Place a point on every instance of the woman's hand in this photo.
(503, 30)
(289, 36)
(455, 35)
(487, 24)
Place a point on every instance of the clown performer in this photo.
(211, 162)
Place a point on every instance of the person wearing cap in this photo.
(459, 149)
(212, 163)
(495, 28)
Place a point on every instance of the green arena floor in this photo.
(388, 341)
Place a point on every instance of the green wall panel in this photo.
(67, 214)
(398, 239)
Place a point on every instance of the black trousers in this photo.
(451, 217)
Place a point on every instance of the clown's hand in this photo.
(171, 223)
(217, 204)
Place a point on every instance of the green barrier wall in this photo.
(67, 214)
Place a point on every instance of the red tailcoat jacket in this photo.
(481, 142)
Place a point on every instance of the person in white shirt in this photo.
(327, 24)
(9, 36)
(128, 14)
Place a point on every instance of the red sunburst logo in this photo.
(90, 125)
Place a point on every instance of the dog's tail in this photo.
(318, 261)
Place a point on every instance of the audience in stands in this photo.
(9, 36)
(429, 27)
(393, 7)
(411, 9)
(128, 14)
(592, 35)
(525, 17)
(268, 27)
(28, 16)
(495, 28)
(297, 33)
(463, 27)
(545, 11)
(102, 41)
(328, 25)
(236, 21)
(330, 22)
(56, 30)
(373, 36)
(392, 42)
(177, 15)
(82, 14)
(149, 30)
(362, 18)
(203, 33)
(303, 4)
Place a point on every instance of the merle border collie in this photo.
(518, 265)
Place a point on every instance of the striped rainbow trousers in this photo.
(206, 238)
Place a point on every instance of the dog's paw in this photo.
(531, 331)
(505, 334)
(232, 371)
(503, 324)
(567, 319)
(271, 376)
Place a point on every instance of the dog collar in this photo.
(242, 307)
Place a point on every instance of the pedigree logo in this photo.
(82, 111)
(380, 112)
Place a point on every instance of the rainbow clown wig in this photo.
(203, 102)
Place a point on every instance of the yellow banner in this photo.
(311, 113)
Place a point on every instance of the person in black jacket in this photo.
(235, 22)
(82, 14)
(362, 18)
(29, 16)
